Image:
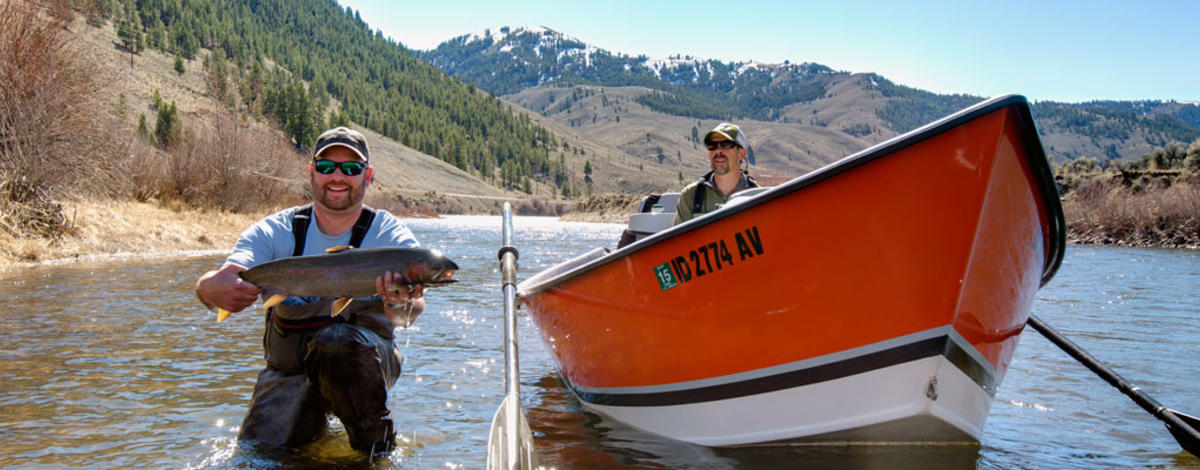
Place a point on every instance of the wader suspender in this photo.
(698, 199)
(303, 214)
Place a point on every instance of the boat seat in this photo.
(655, 213)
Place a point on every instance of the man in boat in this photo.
(726, 145)
(317, 363)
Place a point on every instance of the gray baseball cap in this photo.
(344, 137)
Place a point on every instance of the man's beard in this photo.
(354, 197)
(720, 168)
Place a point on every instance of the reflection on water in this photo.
(115, 364)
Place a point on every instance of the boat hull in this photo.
(826, 308)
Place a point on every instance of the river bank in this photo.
(1151, 211)
(107, 228)
(604, 208)
(100, 229)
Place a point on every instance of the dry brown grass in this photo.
(1105, 211)
(110, 228)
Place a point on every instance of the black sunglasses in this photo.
(351, 168)
(724, 144)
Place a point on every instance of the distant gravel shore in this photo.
(605, 208)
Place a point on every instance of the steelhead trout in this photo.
(345, 273)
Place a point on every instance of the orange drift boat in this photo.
(879, 298)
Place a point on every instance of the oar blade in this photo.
(510, 448)
(1187, 433)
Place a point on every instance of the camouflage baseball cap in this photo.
(344, 137)
(730, 131)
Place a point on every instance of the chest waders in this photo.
(317, 363)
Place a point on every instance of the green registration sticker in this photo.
(666, 279)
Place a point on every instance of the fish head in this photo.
(439, 270)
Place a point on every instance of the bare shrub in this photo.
(222, 163)
(1105, 211)
(28, 209)
(542, 207)
(54, 137)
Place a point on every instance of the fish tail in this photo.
(339, 305)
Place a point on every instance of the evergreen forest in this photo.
(309, 64)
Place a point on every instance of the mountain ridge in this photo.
(862, 105)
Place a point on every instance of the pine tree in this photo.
(143, 129)
(138, 35)
(129, 31)
(167, 126)
(125, 33)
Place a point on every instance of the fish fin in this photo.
(338, 305)
(274, 300)
(339, 248)
(222, 314)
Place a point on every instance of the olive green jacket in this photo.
(712, 197)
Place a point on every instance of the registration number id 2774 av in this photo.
(710, 258)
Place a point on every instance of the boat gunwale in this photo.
(1034, 153)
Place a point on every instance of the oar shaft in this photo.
(508, 273)
(1109, 375)
(1187, 435)
(510, 442)
(512, 376)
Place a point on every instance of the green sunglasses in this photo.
(351, 168)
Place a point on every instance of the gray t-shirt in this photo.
(271, 239)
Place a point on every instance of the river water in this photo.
(114, 364)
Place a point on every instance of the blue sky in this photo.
(1046, 50)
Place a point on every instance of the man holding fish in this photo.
(330, 317)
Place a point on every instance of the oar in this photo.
(510, 443)
(1183, 426)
